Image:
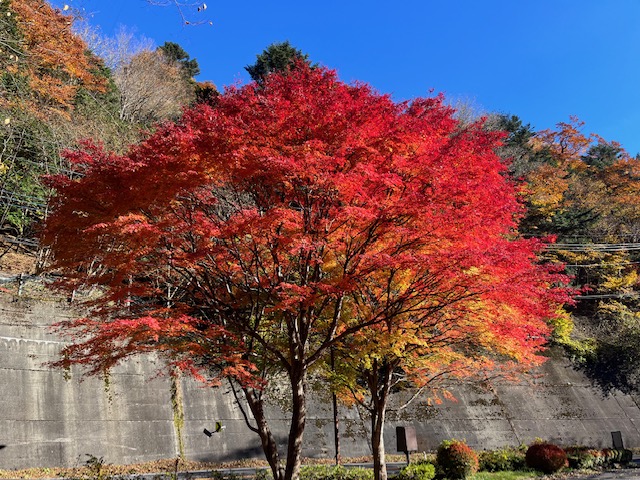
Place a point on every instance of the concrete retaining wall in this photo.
(49, 420)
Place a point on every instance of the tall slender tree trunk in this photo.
(269, 445)
(377, 445)
(336, 429)
(336, 420)
(298, 419)
(379, 386)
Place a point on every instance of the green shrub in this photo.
(584, 457)
(417, 471)
(506, 459)
(615, 455)
(455, 460)
(327, 472)
(546, 457)
(263, 474)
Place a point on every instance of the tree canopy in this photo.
(256, 233)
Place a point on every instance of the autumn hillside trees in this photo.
(44, 52)
(248, 239)
(45, 69)
(583, 190)
(55, 93)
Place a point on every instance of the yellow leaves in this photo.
(472, 271)
(619, 313)
(547, 186)
(621, 281)
(562, 325)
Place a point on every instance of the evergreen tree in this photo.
(174, 53)
(277, 57)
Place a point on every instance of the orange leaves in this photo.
(567, 144)
(54, 59)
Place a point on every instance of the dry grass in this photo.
(162, 466)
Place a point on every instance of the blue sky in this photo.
(542, 60)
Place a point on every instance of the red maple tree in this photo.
(282, 220)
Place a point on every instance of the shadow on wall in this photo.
(214, 457)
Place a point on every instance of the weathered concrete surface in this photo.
(47, 420)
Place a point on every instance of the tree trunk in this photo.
(298, 418)
(269, 445)
(377, 444)
(336, 429)
(336, 420)
(379, 386)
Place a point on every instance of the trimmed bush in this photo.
(546, 457)
(502, 460)
(417, 471)
(327, 472)
(455, 460)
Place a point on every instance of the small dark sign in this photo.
(407, 441)
(617, 440)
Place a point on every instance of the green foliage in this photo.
(326, 472)
(96, 116)
(546, 457)
(264, 474)
(175, 53)
(107, 102)
(503, 459)
(417, 471)
(517, 150)
(622, 456)
(455, 460)
(602, 155)
(584, 457)
(29, 150)
(15, 84)
(587, 458)
(277, 57)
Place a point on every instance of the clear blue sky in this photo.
(542, 60)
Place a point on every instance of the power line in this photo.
(606, 295)
(593, 247)
(588, 265)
